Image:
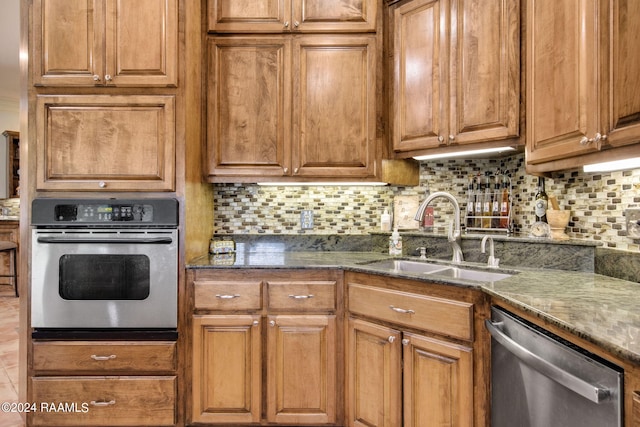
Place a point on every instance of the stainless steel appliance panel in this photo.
(540, 380)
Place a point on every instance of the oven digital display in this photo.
(102, 213)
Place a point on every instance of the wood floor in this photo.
(9, 306)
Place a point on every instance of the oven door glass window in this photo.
(104, 277)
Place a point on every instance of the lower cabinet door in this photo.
(301, 369)
(103, 401)
(438, 383)
(374, 375)
(227, 369)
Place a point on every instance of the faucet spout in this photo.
(455, 231)
(492, 262)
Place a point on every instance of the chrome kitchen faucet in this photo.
(455, 231)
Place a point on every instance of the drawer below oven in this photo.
(108, 357)
(103, 401)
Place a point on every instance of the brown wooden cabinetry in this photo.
(456, 73)
(410, 355)
(581, 57)
(635, 417)
(276, 103)
(105, 42)
(277, 16)
(13, 163)
(110, 383)
(9, 231)
(278, 326)
(105, 143)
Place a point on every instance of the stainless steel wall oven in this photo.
(107, 267)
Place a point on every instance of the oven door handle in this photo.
(593, 392)
(145, 240)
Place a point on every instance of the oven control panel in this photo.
(97, 213)
(60, 212)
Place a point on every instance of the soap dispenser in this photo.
(385, 221)
(395, 243)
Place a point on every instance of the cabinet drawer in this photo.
(302, 295)
(84, 356)
(442, 316)
(227, 295)
(105, 401)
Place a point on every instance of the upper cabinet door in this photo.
(105, 42)
(563, 112)
(141, 43)
(67, 42)
(334, 132)
(485, 71)
(624, 68)
(248, 106)
(420, 74)
(278, 16)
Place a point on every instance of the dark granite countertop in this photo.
(597, 308)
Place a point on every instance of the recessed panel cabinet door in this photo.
(105, 143)
(301, 369)
(334, 106)
(248, 106)
(374, 369)
(563, 111)
(235, 16)
(438, 383)
(227, 374)
(624, 68)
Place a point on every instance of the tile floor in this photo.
(9, 306)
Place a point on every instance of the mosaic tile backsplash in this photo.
(597, 202)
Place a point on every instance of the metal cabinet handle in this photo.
(286, 170)
(256, 323)
(102, 403)
(227, 296)
(96, 78)
(296, 170)
(577, 385)
(402, 310)
(584, 140)
(102, 184)
(391, 338)
(272, 323)
(406, 341)
(440, 138)
(286, 24)
(107, 77)
(301, 296)
(296, 24)
(101, 358)
(596, 138)
(452, 138)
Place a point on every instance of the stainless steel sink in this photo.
(477, 275)
(408, 266)
(401, 265)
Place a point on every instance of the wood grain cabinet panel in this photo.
(582, 91)
(374, 375)
(301, 369)
(105, 401)
(227, 295)
(636, 409)
(105, 42)
(456, 73)
(125, 356)
(227, 363)
(110, 143)
(278, 16)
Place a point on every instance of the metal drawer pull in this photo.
(301, 296)
(391, 338)
(102, 403)
(227, 296)
(96, 357)
(401, 310)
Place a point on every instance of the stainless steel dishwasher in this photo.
(540, 380)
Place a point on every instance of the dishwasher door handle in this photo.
(585, 389)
